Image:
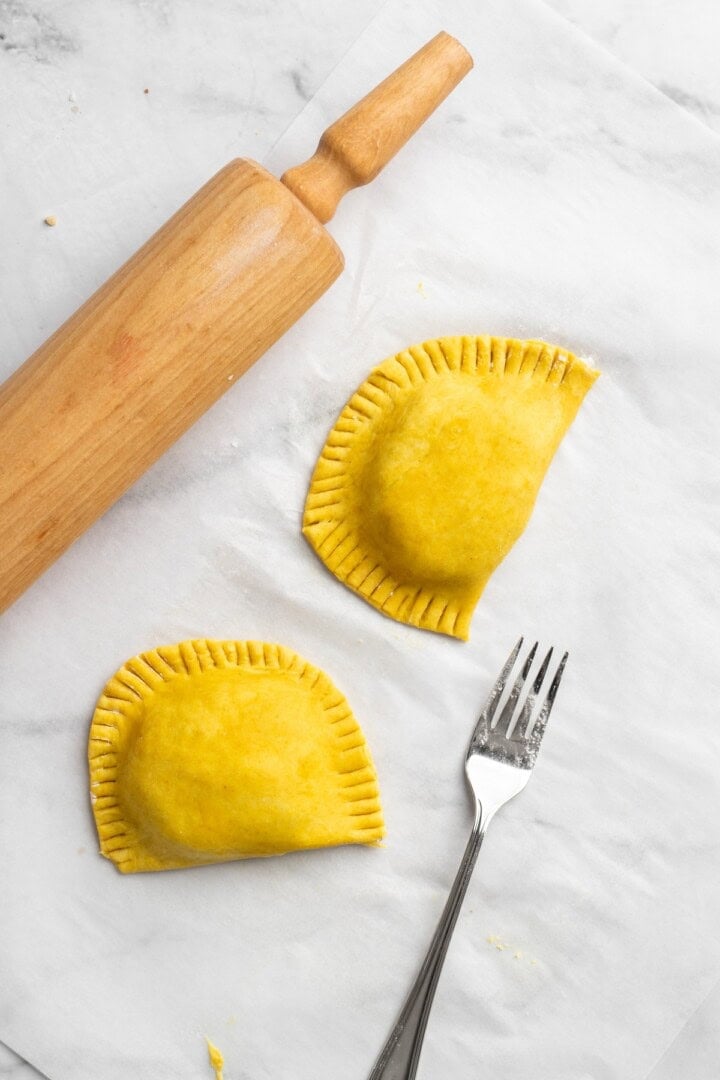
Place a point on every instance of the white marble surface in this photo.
(636, 318)
(672, 44)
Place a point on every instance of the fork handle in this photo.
(399, 1057)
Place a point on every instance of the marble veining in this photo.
(298, 79)
(30, 32)
(703, 107)
(671, 44)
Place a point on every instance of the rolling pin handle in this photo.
(358, 145)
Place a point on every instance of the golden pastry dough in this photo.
(432, 469)
(215, 750)
(217, 1061)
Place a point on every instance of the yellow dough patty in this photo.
(431, 471)
(209, 751)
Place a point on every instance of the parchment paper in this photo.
(554, 196)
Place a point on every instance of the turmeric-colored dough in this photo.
(217, 1061)
(432, 469)
(215, 750)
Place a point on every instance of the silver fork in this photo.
(498, 765)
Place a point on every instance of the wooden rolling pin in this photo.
(160, 341)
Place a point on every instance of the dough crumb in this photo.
(216, 1059)
(421, 290)
(51, 220)
(501, 946)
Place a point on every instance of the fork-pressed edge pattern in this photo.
(498, 765)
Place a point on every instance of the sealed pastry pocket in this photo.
(209, 751)
(432, 470)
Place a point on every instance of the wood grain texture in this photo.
(214, 288)
(145, 356)
(358, 145)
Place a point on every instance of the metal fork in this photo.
(498, 765)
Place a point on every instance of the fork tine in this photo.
(483, 724)
(505, 718)
(540, 724)
(525, 715)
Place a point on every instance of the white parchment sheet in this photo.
(554, 195)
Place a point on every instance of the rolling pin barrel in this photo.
(164, 337)
(115, 386)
